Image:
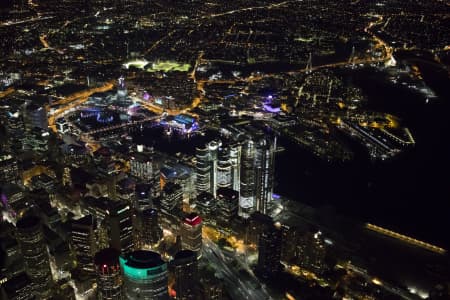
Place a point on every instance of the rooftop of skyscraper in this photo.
(142, 259)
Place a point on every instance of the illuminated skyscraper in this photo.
(145, 276)
(224, 175)
(18, 288)
(218, 167)
(9, 171)
(206, 205)
(185, 271)
(257, 167)
(203, 170)
(108, 275)
(191, 233)
(235, 161)
(83, 241)
(264, 168)
(143, 165)
(182, 175)
(227, 205)
(172, 198)
(142, 196)
(35, 256)
(247, 188)
(36, 116)
(120, 227)
(206, 168)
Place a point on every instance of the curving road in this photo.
(237, 286)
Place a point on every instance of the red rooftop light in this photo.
(194, 220)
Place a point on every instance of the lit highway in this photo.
(28, 20)
(7, 92)
(273, 5)
(238, 287)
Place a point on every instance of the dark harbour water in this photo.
(410, 194)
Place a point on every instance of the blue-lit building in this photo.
(183, 123)
(145, 276)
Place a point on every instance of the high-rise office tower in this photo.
(145, 165)
(83, 240)
(141, 164)
(108, 275)
(185, 271)
(235, 161)
(257, 167)
(224, 170)
(9, 171)
(145, 276)
(13, 198)
(142, 196)
(269, 250)
(247, 187)
(120, 227)
(181, 174)
(191, 233)
(35, 256)
(264, 168)
(18, 288)
(151, 231)
(102, 234)
(172, 198)
(206, 167)
(12, 261)
(227, 205)
(36, 116)
(206, 205)
(203, 170)
(125, 190)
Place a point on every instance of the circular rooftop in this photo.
(142, 259)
